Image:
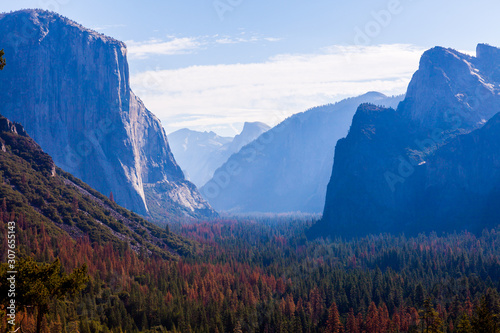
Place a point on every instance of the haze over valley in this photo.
(250, 167)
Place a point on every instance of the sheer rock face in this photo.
(69, 87)
(358, 193)
(461, 182)
(432, 165)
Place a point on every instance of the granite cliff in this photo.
(69, 86)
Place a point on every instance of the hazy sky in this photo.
(209, 64)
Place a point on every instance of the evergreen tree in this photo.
(419, 297)
(39, 284)
(464, 325)
(237, 327)
(297, 324)
(2, 59)
(372, 322)
(430, 318)
(484, 320)
(352, 324)
(333, 325)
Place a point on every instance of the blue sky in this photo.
(211, 65)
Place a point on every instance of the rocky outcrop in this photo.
(14, 139)
(250, 132)
(432, 165)
(69, 86)
(287, 169)
(453, 90)
(201, 153)
(8, 126)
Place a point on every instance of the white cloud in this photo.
(252, 39)
(155, 46)
(109, 26)
(220, 96)
(272, 39)
(185, 45)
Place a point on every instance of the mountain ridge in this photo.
(201, 153)
(32, 186)
(287, 168)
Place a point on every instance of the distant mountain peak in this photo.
(250, 132)
(486, 51)
(252, 127)
(254, 123)
(201, 153)
(374, 94)
(370, 117)
(439, 56)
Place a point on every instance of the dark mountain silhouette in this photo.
(430, 165)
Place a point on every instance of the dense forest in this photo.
(263, 275)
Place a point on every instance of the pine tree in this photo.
(384, 319)
(372, 319)
(111, 197)
(431, 319)
(352, 324)
(144, 322)
(419, 297)
(38, 285)
(333, 325)
(464, 325)
(4, 206)
(74, 205)
(56, 326)
(297, 324)
(484, 320)
(2, 59)
(237, 327)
